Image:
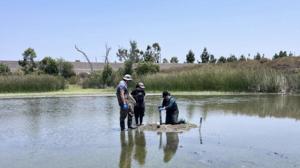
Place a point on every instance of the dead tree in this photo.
(107, 50)
(86, 57)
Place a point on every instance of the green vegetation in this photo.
(65, 69)
(223, 75)
(205, 56)
(46, 75)
(28, 64)
(30, 83)
(49, 66)
(234, 77)
(174, 60)
(4, 69)
(190, 57)
(144, 68)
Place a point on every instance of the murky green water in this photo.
(237, 131)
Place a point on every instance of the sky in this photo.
(225, 27)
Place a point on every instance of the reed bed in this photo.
(227, 77)
(30, 83)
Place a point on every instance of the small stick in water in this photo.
(200, 136)
(200, 121)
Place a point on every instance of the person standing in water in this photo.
(123, 100)
(139, 109)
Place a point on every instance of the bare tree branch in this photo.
(86, 57)
(107, 50)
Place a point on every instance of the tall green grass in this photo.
(30, 83)
(227, 77)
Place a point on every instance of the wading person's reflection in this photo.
(126, 149)
(171, 146)
(140, 147)
(139, 142)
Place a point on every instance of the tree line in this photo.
(47, 65)
(206, 57)
(137, 62)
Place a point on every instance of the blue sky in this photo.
(223, 26)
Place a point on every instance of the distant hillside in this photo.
(287, 64)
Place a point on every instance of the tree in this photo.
(212, 59)
(174, 60)
(190, 57)
(134, 54)
(222, 60)
(232, 58)
(275, 56)
(48, 65)
(156, 52)
(148, 55)
(128, 67)
(28, 65)
(280, 54)
(65, 69)
(165, 61)
(152, 53)
(257, 56)
(242, 58)
(86, 57)
(144, 68)
(107, 73)
(122, 54)
(205, 56)
(4, 69)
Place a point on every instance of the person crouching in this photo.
(169, 104)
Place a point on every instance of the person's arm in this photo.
(172, 101)
(132, 100)
(133, 93)
(144, 93)
(163, 104)
(123, 96)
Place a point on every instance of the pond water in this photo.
(237, 131)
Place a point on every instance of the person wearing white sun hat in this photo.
(123, 100)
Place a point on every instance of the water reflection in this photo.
(172, 141)
(137, 142)
(133, 146)
(140, 148)
(262, 106)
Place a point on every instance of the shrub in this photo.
(93, 81)
(107, 76)
(128, 67)
(48, 65)
(65, 69)
(4, 69)
(83, 75)
(144, 68)
(74, 80)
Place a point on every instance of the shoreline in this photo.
(110, 93)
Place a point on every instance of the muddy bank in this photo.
(167, 127)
